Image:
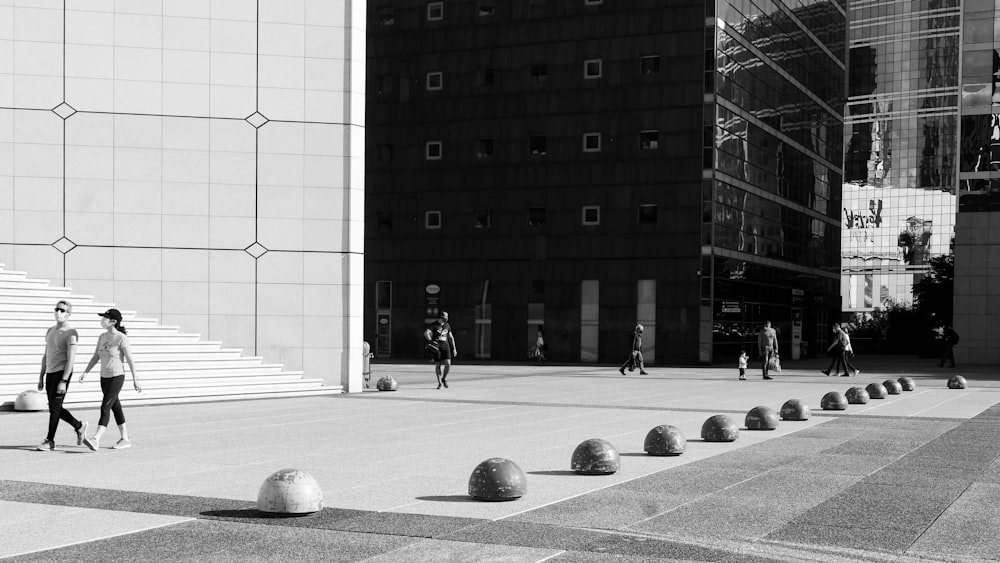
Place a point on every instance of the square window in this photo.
(435, 80)
(383, 221)
(484, 218)
(536, 216)
(539, 72)
(591, 142)
(536, 145)
(383, 153)
(592, 2)
(486, 9)
(649, 140)
(387, 16)
(649, 64)
(484, 77)
(432, 219)
(484, 148)
(592, 68)
(435, 11)
(591, 215)
(648, 214)
(433, 150)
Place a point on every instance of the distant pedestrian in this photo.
(846, 350)
(949, 338)
(767, 346)
(57, 369)
(836, 352)
(742, 364)
(113, 352)
(540, 346)
(635, 357)
(440, 337)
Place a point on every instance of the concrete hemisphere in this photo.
(497, 479)
(291, 492)
(387, 383)
(857, 396)
(957, 382)
(761, 418)
(795, 409)
(833, 401)
(876, 391)
(907, 383)
(664, 440)
(892, 386)
(31, 400)
(595, 457)
(719, 428)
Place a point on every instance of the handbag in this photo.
(774, 363)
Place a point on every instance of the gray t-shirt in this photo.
(57, 342)
(111, 349)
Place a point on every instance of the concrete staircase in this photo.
(173, 367)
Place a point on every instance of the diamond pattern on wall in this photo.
(64, 110)
(256, 250)
(256, 119)
(64, 245)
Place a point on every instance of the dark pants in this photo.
(111, 387)
(948, 355)
(766, 355)
(56, 410)
(836, 360)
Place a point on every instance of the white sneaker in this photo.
(46, 446)
(121, 444)
(90, 443)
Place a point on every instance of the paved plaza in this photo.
(913, 477)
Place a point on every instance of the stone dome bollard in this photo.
(892, 387)
(595, 457)
(761, 418)
(497, 479)
(289, 491)
(857, 396)
(794, 409)
(664, 440)
(31, 400)
(957, 382)
(833, 401)
(876, 390)
(907, 383)
(387, 383)
(719, 428)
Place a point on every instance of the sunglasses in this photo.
(60, 310)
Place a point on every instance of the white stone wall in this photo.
(977, 288)
(200, 161)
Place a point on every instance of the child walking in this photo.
(743, 364)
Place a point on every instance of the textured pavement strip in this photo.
(841, 453)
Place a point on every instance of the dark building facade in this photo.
(584, 166)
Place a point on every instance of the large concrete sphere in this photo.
(857, 396)
(289, 491)
(892, 386)
(31, 400)
(761, 418)
(387, 383)
(595, 457)
(833, 401)
(957, 382)
(664, 440)
(497, 479)
(794, 409)
(719, 428)
(907, 383)
(876, 390)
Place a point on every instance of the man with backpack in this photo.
(949, 338)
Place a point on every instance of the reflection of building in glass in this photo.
(900, 147)
(977, 241)
(635, 163)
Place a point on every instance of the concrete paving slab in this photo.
(967, 528)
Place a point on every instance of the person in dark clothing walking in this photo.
(635, 357)
(949, 338)
(439, 336)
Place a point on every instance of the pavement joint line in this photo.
(824, 414)
(103, 537)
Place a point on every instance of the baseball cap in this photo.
(113, 314)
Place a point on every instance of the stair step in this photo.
(148, 384)
(26, 283)
(143, 365)
(200, 395)
(88, 308)
(30, 379)
(140, 356)
(90, 336)
(13, 298)
(137, 351)
(55, 293)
